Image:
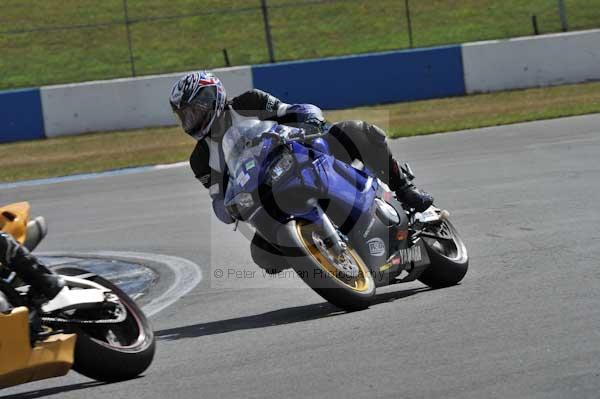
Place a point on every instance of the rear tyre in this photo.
(113, 352)
(448, 256)
(320, 272)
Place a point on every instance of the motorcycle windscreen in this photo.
(243, 153)
(238, 141)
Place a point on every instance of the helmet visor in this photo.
(197, 116)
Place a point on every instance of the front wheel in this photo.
(448, 255)
(344, 281)
(111, 352)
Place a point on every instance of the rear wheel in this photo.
(345, 280)
(111, 351)
(448, 256)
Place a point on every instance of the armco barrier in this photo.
(21, 115)
(532, 61)
(121, 103)
(343, 82)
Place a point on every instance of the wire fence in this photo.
(58, 41)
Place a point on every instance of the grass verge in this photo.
(39, 44)
(104, 151)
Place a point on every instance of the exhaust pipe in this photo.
(36, 231)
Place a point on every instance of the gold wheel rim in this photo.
(360, 283)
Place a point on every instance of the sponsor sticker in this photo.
(408, 255)
(376, 246)
(402, 257)
(242, 179)
(250, 164)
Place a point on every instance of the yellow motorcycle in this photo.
(95, 328)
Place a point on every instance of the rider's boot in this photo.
(18, 258)
(406, 192)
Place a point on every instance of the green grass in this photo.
(92, 153)
(468, 112)
(105, 151)
(301, 29)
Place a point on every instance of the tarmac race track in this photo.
(525, 322)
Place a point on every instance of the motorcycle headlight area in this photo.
(280, 167)
(244, 200)
(239, 205)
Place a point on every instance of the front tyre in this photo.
(448, 255)
(113, 352)
(344, 281)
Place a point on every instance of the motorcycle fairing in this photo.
(20, 362)
(14, 218)
(346, 194)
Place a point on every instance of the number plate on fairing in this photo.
(432, 214)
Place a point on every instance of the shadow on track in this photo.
(40, 393)
(274, 318)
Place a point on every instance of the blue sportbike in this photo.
(339, 227)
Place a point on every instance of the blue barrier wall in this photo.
(366, 79)
(330, 83)
(21, 115)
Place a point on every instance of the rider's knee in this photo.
(348, 128)
(355, 130)
(344, 144)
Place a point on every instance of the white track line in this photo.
(187, 274)
(86, 176)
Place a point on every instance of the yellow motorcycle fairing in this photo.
(13, 220)
(20, 363)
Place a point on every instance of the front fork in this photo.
(331, 237)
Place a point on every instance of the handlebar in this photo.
(300, 136)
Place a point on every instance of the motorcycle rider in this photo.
(200, 102)
(16, 257)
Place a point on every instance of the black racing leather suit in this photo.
(18, 258)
